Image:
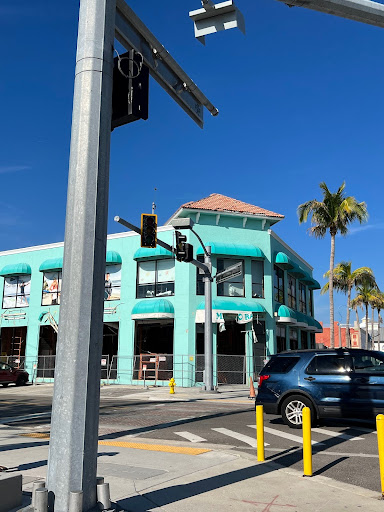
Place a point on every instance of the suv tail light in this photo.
(262, 378)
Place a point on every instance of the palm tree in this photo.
(334, 214)
(365, 294)
(344, 280)
(377, 302)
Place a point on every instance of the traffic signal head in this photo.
(148, 230)
(184, 251)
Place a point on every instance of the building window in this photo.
(112, 281)
(291, 292)
(155, 278)
(281, 341)
(302, 299)
(199, 277)
(310, 305)
(233, 287)
(16, 291)
(293, 340)
(257, 270)
(312, 340)
(278, 284)
(51, 288)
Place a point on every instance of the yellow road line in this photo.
(186, 450)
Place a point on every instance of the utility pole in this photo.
(72, 461)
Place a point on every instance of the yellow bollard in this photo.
(380, 443)
(307, 445)
(260, 433)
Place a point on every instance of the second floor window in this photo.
(16, 291)
(278, 284)
(155, 278)
(257, 269)
(310, 305)
(302, 299)
(51, 288)
(291, 292)
(234, 287)
(112, 283)
(199, 277)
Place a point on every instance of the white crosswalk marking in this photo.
(279, 433)
(240, 437)
(339, 435)
(190, 437)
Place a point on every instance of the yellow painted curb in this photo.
(137, 446)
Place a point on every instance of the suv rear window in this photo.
(280, 364)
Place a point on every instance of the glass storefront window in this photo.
(293, 339)
(281, 341)
(16, 291)
(155, 278)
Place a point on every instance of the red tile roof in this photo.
(220, 203)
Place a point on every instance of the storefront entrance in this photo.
(231, 363)
(12, 345)
(109, 352)
(153, 350)
(47, 352)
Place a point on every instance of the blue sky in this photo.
(299, 99)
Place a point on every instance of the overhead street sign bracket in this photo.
(131, 32)
(232, 271)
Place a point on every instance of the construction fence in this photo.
(153, 369)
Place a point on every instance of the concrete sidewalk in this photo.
(170, 477)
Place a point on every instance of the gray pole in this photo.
(208, 335)
(72, 461)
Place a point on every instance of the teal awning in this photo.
(113, 258)
(283, 261)
(297, 272)
(244, 311)
(315, 285)
(286, 315)
(228, 249)
(17, 269)
(158, 253)
(51, 265)
(234, 305)
(302, 320)
(153, 308)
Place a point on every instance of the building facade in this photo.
(154, 305)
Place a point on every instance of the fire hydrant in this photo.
(172, 385)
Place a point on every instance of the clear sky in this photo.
(300, 100)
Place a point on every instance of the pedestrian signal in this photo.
(148, 230)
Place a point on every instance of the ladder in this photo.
(16, 349)
(150, 364)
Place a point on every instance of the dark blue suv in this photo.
(332, 383)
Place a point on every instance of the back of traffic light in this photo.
(183, 250)
(130, 89)
(148, 230)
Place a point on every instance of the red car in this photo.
(9, 374)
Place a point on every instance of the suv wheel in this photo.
(292, 410)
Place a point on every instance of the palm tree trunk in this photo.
(331, 306)
(358, 328)
(366, 327)
(372, 325)
(347, 333)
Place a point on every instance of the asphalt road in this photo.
(342, 450)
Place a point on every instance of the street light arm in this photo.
(364, 11)
(200, 240)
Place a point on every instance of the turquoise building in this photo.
(154, 305)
